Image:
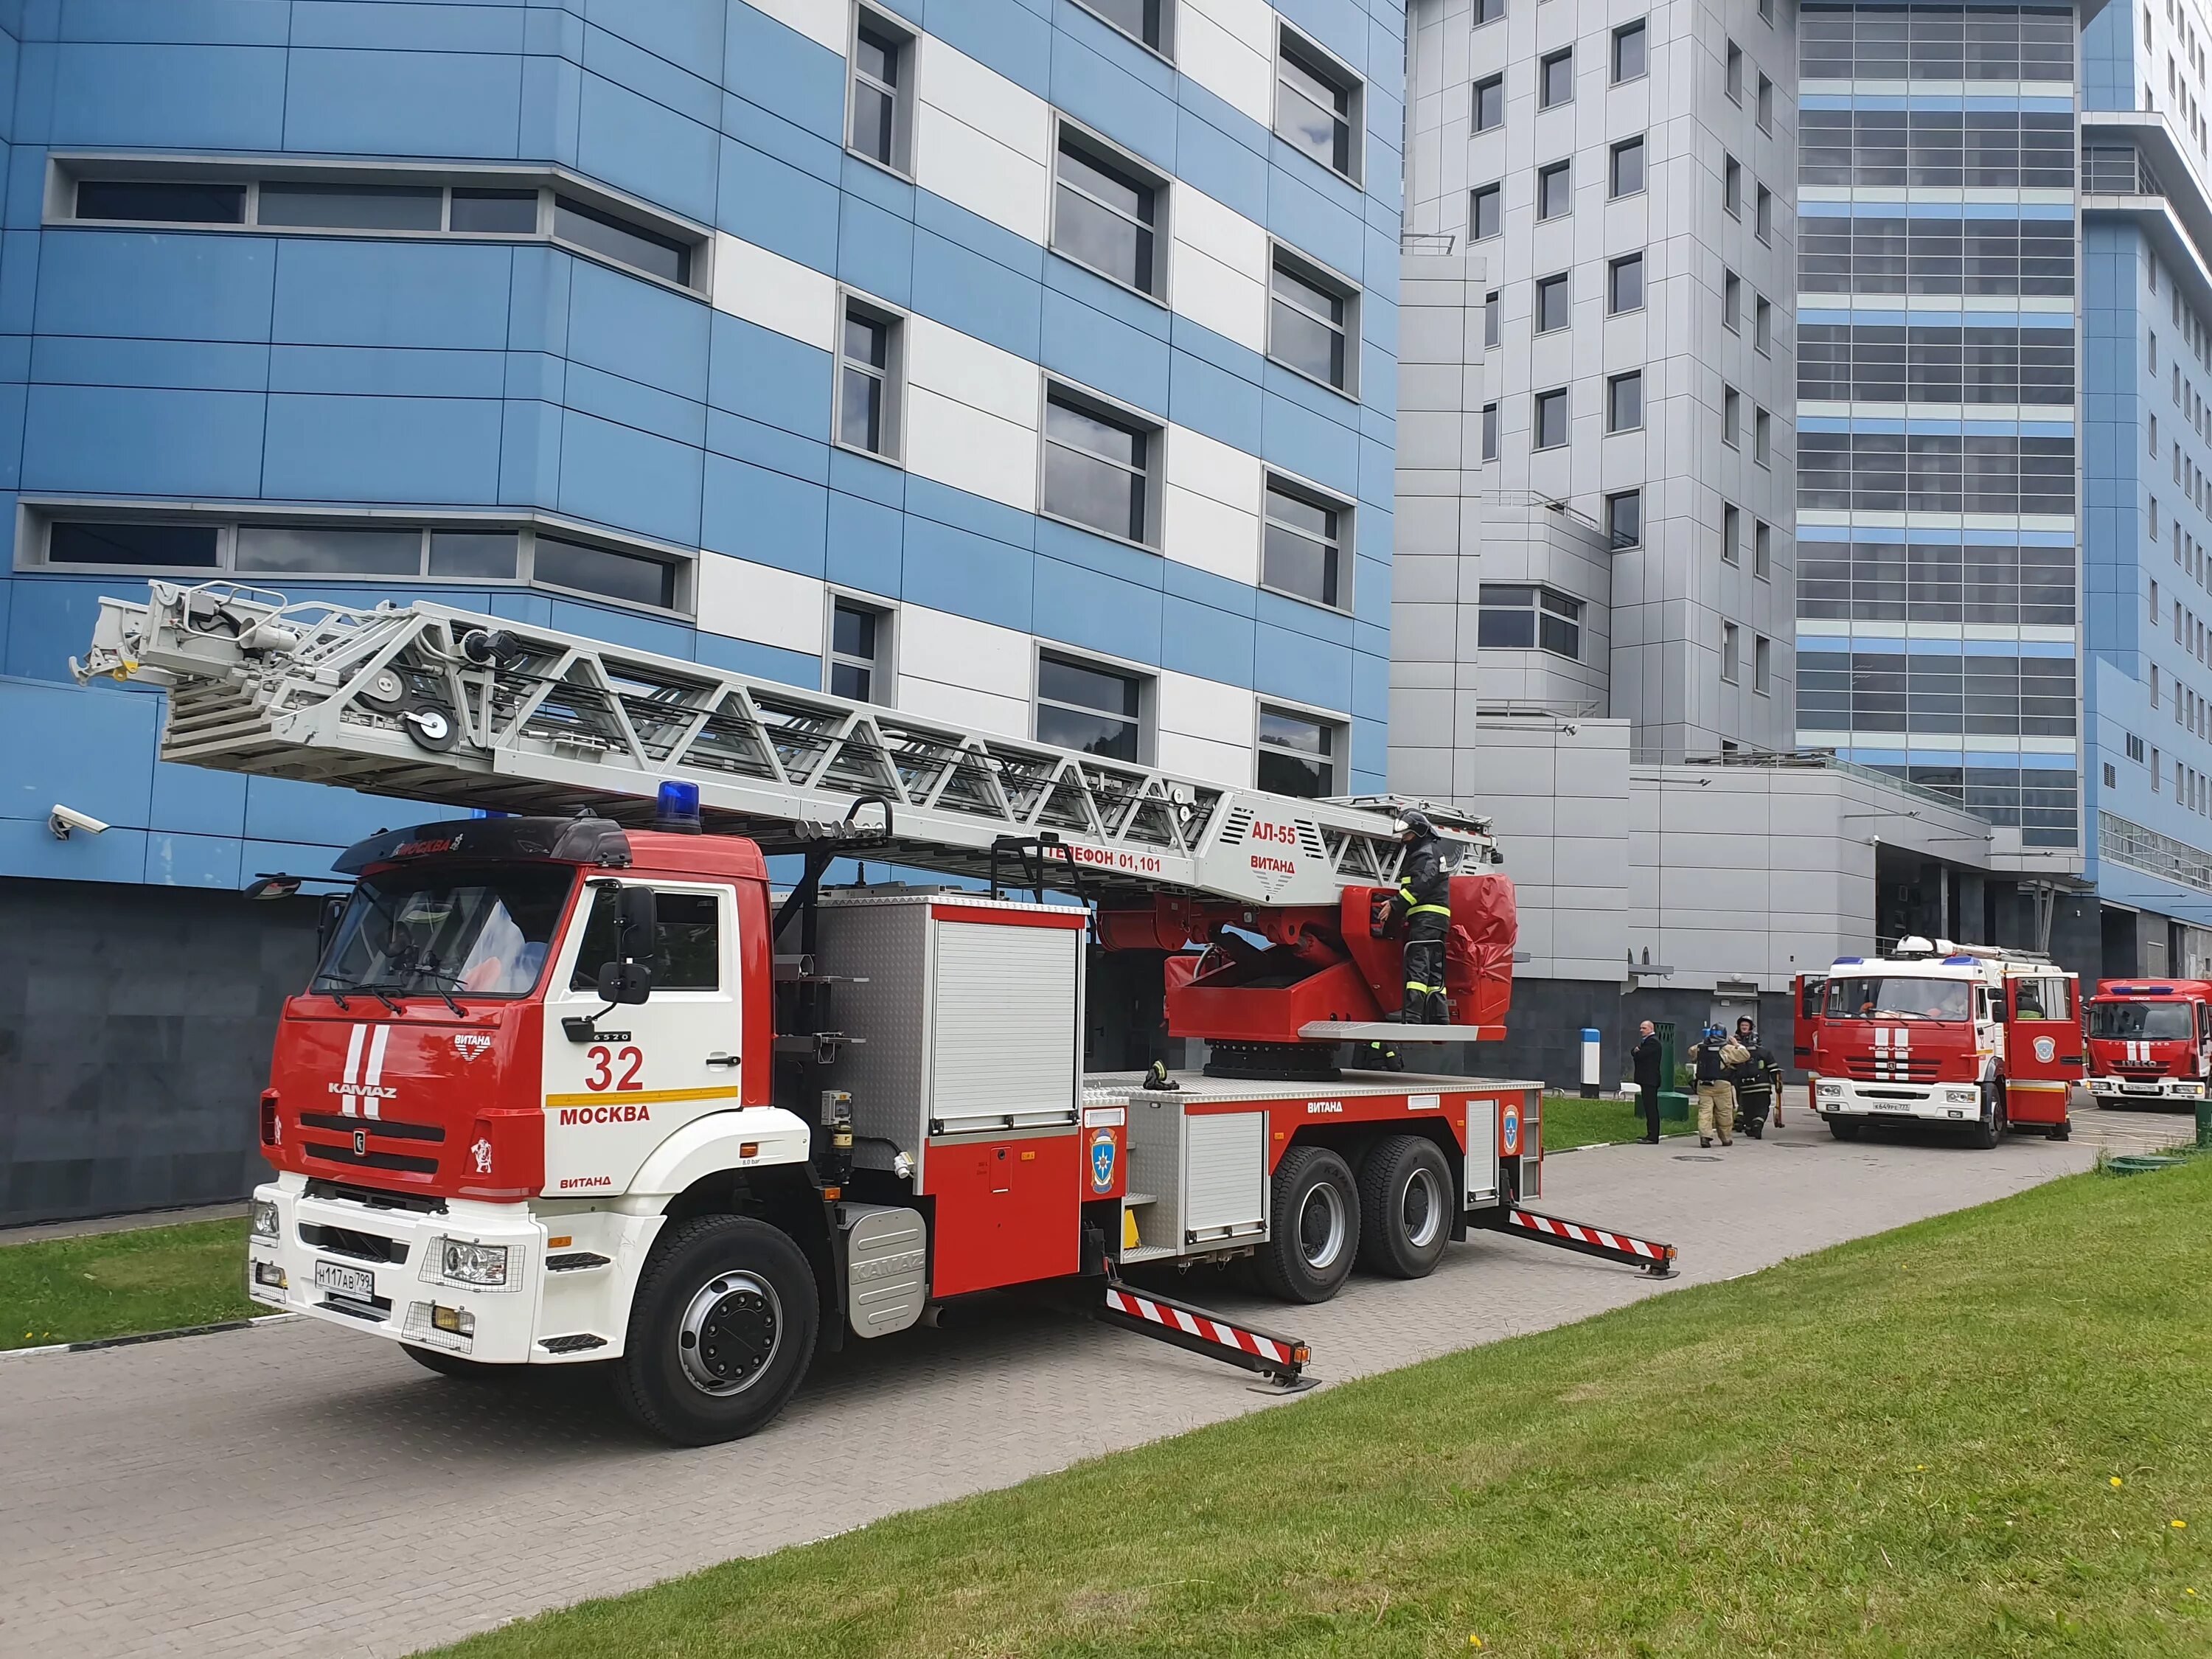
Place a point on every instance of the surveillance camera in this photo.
(63, 819)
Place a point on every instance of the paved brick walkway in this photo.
(295, 1489)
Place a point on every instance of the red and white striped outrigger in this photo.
(1657, 1259)
(1281, 1360)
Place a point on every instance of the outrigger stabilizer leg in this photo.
(1657, 1259)
(1281, 1360)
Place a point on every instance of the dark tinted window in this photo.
(351, 207)
(686, 945)
(496, 212)
(620, 241)
(596, 570)
(1091, 709)
(183, 545)
(307, 549)
(472, 553)
(160, 202)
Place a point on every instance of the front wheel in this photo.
(721, 1331)
(1405, 1208)
(1991, 1129)
(1315, 1229)
(1844, 1129)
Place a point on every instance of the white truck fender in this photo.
(716, 1142)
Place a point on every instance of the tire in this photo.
(2063, 1131)
(1991, 1129)
(722, 1329)
(1405, 1208)
(457, 1366)
(1314, 1237)
(1844, 1128)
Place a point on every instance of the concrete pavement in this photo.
(296, 1489)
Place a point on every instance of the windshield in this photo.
(470, 931)
(2159, 1022)
(1897, 997)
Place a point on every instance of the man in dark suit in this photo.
(1646, 1060)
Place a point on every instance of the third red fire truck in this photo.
(1971, 1036)
(573, 1085)
(2150, 1040)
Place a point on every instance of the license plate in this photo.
(357, 1282)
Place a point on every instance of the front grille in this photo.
(577, 1344)
(344, 1241)
(376, 1310)
(574, 1262)
(373, 1198)
(372, 1160)
(376, 1126)
(1892, 1068)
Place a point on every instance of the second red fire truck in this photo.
(2150, 1040)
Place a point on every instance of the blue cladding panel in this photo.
(395, 374)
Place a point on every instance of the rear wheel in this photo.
(1991, 1129)
(721, 1331)
(1844, 1129)
(1315, 1231)
(1405, 1208)
(455, 1365)
(2063, 1131)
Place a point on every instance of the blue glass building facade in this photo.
(1025, 363)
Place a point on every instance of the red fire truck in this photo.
(1972, 1035)
(573, 1083)
(2150, 1040)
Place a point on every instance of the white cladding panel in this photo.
(1006, 1025)
(1224, 1174)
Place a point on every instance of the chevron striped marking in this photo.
(1581, 1235)
(1197, 1325)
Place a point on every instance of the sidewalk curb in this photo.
(148, 1336)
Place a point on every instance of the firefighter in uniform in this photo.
(1714, 1056)
(1425, 900)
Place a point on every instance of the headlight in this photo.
(1831, 1088)
(1962, 1096)
(473, 1264)
(2189, 1088)
(264, 1219)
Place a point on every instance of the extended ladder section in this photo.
(433, 704)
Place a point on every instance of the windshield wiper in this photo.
(333, 989)
(438, 990)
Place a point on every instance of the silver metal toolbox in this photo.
(1206, 1171)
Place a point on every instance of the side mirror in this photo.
(627, 978)
(330, 913)
(626, 981)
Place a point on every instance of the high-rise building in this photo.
(1025, 366)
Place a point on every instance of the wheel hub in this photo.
(731, 1331)
(1321, 1227)
(1423, 1213)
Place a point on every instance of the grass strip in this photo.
(1571, 1122)
(123, 1284)
(1984, 1435)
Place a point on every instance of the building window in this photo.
(1554, 307)
(352, 207)
(1628, 44)
(1301, 547)
(1551, 419)
(1490, 103)
(1731, 653)
(124, 545)
(1490, 333)
(1626, 171)
(859, 651)
(1731, 533)
(1732, 187)
(2112, 776)
(1623, 519)
(1762, 326)
(1624, 402)
(1485, 213)
(1489, 432)
(1523, 617)
(1762, 549)
(882, 121)
(1488, 11)
(1762, 655)
(1763, 217)
(1732, 303)
(1098, 467)
(620, 241)
(1090, 707)
(1555, 192)
(1766, 104)
(1106, 214)
(1624, 284)
(605, 571)
(1735, 82)
(1317, 106)
(1310, 321)
(1555, 78)
(1731, 415)
(163, 202)
(1299, 755)
(1145, 22)
(2135, 748)
(868, 381)
(1762, 437)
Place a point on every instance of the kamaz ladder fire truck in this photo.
(1972, 1035)
(2150, 1040)
(572, 1084)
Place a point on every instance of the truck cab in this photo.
(1937, 1033)
(2150, 1040)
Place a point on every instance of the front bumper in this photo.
(1925, 1103)
(2156, 1088)
(539, 1314)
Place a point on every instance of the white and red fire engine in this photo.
(1967, 1035)
(571, 1083)
(2150, 1039)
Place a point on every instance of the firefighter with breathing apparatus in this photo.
(1425, 900)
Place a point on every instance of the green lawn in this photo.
(1975, 1436)
(156, 1279)
(1575, 1122)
